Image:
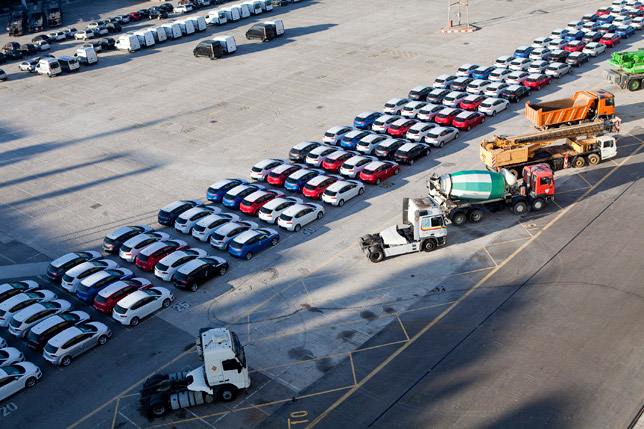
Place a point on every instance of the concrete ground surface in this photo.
(516, 320)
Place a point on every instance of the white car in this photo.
(166, 267)
(16, 303)
(262, 169)
(188, 219)
(441, 135)
(73, 277)
(132, 247)
(42, 45)
(335, 134)
(137, 305)
(40, 333)
(10, 355)
(443, 81)
(538, 66)
(503, 61)
(202, 230)
(541, 42)
(538, 54)
(499, 74)
(638, 23)
(557, 43)
(519, 64)
(183, 8)
(35, 313)
(298, 215)
(317, 156)
(495, 89)
(428, 112)
(517, 77)
(84, 35)
(492, 106)
(220, 237)
(16, 377)
(28, 66)
(575, 25)
(7, 290)
(353, 166)
(369, 143)
(557, 70)
(274, 208)
(342, 191)
(57, 36)
(477, 86)
(394, 106)
(418, 131)
(594, 48)
(382, 124)
(75, 340)
(466, 69)
(453, 99)
(410, 110)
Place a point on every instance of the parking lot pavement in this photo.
(84, 154)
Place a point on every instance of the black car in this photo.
(171, 212)
(107, 43)
(37, 339)
(43, 38)
(208, 48)
(28, 49)
(263, 32)
(460, 84)
(557, 56)
(591, 17)
(411, 152)
(113, 27)
(514, 93)
(167, 7)
(194, 273)
(591, 36)
(419, 93)
(576, 59)
(280, 2)
(299, 151)
(158, 13)
(11, 46)
(144, 13)
(113, 241)
(386, 149)
(13, 54)
(57, 267)
(3, 58)
(93, 44)
(436, 96)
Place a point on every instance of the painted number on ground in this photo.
(7, 409)
(297, 417)
(181, 306)
(308, 231)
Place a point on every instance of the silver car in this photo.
(73, 341)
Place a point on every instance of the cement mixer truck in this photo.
(466, 195)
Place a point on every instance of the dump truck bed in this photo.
(557, 112)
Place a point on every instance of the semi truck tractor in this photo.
(223, 374)
(628, 70)
(584, 143)
(584, 106)
(423, 230)
(466, 195)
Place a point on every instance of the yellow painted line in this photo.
(307, 292)
(575, 189)
(431, 324)
(636, 138)
(402, 327)
(584, 179)
(527, 230)
(116, 409)
(353, 370)
(248, 325)
(490, 256)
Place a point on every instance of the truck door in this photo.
(608, 148)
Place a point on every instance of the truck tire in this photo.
(634, 85)
(593, 159)
(538, 204)
(514, 172)
(158, 408)
(578, 161)
(458, 218)
(227, 393)
(519, 207)
(429, 245)
(376, 254)
(476, 215)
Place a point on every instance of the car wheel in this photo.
(274, 241)
(66, 361)
(320, 215)
(493, 113)
(31, 382)
(297, 228)
(483, 120)
(469, 127)
(194, 287)
(378, 181)
(102, 340)
(441, 144)
(396, 171)
(361, 191)
(457, 135)
(135, 321)
(411, 162)
(166, 303)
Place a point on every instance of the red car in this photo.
(604, 11)
(400, 127)
(537, 81)
(135, 16)
(472, 102)
(445, 116)
(108, 297)
(279, 174)
(467, 120)
(336, 159)
(377, 171)
(316, 186)
(255, 201)
(575, 46)
(153, 253)
(610, 40)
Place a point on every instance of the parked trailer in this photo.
(583, 106)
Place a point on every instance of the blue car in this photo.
(217, 190)
(606, 19)
(250, 242)
(238, 193)
(91, 285)
(365, 119)
(351, 139)
(575, 35)
(625, 31)
(523, 52)
(297, 180)
(482, 72)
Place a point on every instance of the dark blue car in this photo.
(351, 139)
(217, 190)
(606, 19)
(482, 72)
(94, 283)
(523, 52)
(365, 119)
(297, 180)
(238, 193)
(250, 242)
(575, 35)
(625, 31)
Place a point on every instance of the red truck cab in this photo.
(539, 183)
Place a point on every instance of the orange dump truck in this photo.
(584, 105)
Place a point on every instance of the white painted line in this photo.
(125, 417)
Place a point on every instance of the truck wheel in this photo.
(634, 85)
(227, 393)
(158, 408)
(514, 172)
(376, 254)
(429, 245)
(538, 204)
(476, 215)
(593, 159)
(578, 161)
(520, 207)
(458, 218)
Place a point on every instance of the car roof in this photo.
(318, 179)
(64, 259)
(272, 204)
(81, 268)
(401, 121)
(439, 130)
(245, 236)
(265, 162)
(257, 194)
(193, 211)
(47, 323)
(138, 295)
(296, 208)
(320, 149)
(113, 287)
(227, 227)
(282, 168)
(337, 154)
(337, 129)
(395, 100)
(376, 164)
(444, 76)
(341, 184)
(447, 110)
(173, 205)
(365, 114)
(138, 238)
(64, 336)
(174, 256)
(297, 175)
(302, 145)
(190, 266)
(408, 146)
